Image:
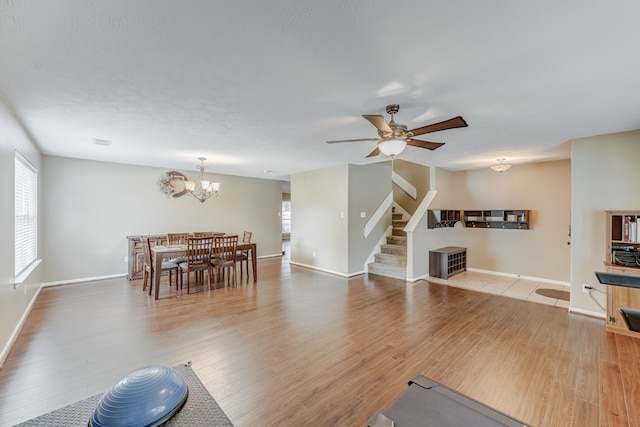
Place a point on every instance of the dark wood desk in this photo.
(159, 252)
(427, 403)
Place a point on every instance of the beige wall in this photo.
(13, 300)
(418, 176)
(92, 206)
(326, 207)
(319, 219)
(605, 174)
(369, 185)
(544, 188)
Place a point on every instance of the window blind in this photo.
(26, 213)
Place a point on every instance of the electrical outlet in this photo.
(586, 288)
(126, 258)
(313, 254)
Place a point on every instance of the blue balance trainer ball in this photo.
(146, 397)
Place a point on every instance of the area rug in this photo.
(201, 409)
(554, 293)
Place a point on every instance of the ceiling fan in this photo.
(394, 137)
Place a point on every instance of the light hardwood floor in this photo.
(307, 348)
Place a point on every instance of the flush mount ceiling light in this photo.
(202, 189)
(500, 167)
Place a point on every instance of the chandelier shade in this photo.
(202, 189)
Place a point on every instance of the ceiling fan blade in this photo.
(374, 152)
(379, 123)
(424, 144)
(456, 122)
(353, 140)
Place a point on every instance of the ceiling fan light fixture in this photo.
(392, 147)
(500, 167)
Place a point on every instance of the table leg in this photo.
(157, 271)
(254, 263)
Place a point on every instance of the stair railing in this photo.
(379, 214)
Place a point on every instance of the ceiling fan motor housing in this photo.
(393, 108)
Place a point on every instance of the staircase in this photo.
(391, 261)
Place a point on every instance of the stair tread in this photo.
(388, 255)
(394, 248)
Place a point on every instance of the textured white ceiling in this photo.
(257, 86)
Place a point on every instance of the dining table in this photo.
(160, 252)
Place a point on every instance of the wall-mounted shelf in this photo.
(443, 218)
(512, 219)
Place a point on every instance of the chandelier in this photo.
(202, 189)
(500, 167)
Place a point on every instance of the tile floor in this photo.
(506, 286)
(490, 283)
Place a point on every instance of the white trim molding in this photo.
(84, 279)
(588, 313)
(377, 216)
(18, 328)
(324, 270)
(404, 185)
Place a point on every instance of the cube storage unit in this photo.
(448, 261)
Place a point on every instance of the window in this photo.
(26, 214)
(286, 217)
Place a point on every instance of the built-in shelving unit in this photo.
(622, 256)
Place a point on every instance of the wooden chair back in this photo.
(224, 249)
(199, 251)
(177, 238)
(146, 250)
(207, 233)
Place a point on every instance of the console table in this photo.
(136, 255)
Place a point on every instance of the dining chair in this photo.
(198, 260)
(207, 233)
(224, 256)
(243, 256)
(177, 239)
(148, 274)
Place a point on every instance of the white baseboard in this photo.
(518, 276)
(588, 313)
(324, 270)
(18, 328)
(84, 279)
(417, 279)
(270, 256)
